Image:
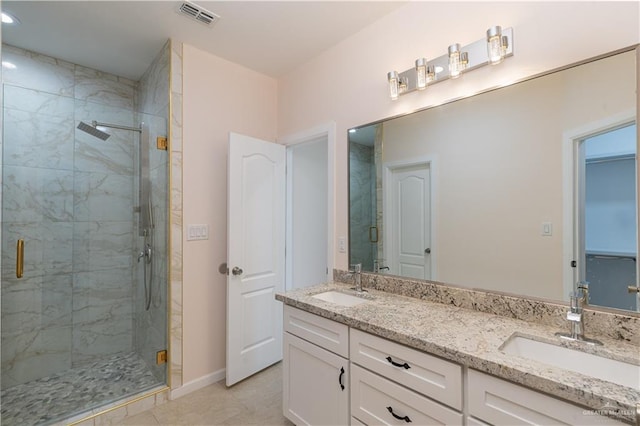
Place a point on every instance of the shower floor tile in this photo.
(60, 396)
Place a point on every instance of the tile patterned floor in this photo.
(254, 401)
(59, 396)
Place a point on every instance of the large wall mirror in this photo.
(526, 189)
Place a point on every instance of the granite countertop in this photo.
(473, 339)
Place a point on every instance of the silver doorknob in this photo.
(237, 271)
(633, 289)
(427, 250)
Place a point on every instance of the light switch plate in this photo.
(197, 232)
(546, 229)
(342, 244)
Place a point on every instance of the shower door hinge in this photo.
(161, 357)
(161, 143)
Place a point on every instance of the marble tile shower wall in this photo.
(379, 220)
(362, 204)
(150, 327)
(70, 197)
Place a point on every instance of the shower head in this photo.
(93, 131)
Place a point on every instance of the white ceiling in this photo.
(123, 37)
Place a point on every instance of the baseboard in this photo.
(198, 383)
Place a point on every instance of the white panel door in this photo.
(410, 222)
(255, 245)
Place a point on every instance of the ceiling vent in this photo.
(198, 13)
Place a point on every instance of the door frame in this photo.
(572, 219)
(327, 132)
(387, 175)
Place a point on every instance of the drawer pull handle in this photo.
(405, 418)
(405, 365)
(340, 378)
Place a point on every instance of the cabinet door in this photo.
(315, 387)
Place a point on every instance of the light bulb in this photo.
(431, 73)
(495, 46)
(393, 84)
(421, 73)
(9, 19)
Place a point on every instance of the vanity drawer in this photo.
(428, 375)
(500, 402)
(374, 398)
(325, 333)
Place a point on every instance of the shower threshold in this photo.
(61, 396)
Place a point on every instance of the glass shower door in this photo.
(37, 209)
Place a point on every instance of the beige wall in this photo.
(347, 84)
(499, 172)
(219, 97)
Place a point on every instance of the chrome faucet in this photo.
(356, 272)
(577, 301)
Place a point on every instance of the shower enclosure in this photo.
(84, 236)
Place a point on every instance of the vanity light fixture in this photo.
(493, 48)
(458, 60)
(496, 45)
(394, 85)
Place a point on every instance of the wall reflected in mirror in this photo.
(506, 190)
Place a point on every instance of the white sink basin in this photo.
(339, 298)
(611, 370)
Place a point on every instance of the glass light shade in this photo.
(455, 64)
(421, 73)
(495, 47)
(393, 84)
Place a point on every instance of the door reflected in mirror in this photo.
(609, 243)
(506, 190)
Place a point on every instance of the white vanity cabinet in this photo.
(499, 402)
(316, 369)
(402, 385)
(334, 375)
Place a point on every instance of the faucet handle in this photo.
(583, 290)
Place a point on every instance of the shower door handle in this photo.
(19, 258)
(237, 271)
